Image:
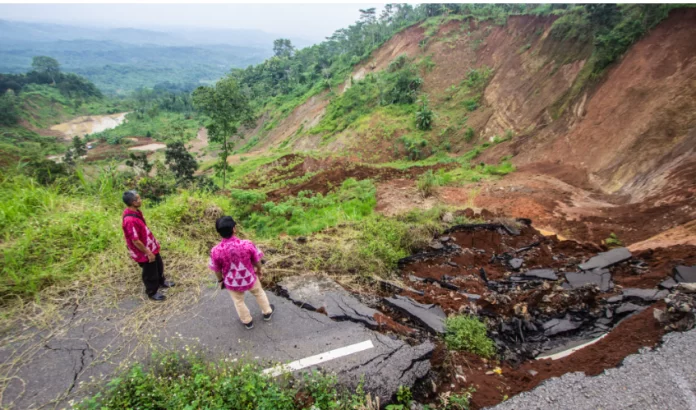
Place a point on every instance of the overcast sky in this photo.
(309, 21)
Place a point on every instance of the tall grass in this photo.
(53, 234)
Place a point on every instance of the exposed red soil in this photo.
(331, 172)
(578, 211)
(661, 262)
(636, 125)
(388, 324)
(634, 333)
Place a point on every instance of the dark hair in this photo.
(129, 197)
(225, 226)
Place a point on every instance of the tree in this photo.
(227, 107)
(46, 65)
(283, 47)
(180, 161)
(9, 114)
(79, 146)
(69, 158)
(139, 162)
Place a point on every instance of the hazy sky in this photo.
(309, 21)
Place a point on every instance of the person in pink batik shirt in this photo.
(237, 264)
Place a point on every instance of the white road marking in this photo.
(320, 358)
(570, 351)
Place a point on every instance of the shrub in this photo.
(468, 333)
(426, 183)
(471, 104)
(398, 63)
(416, 148)
(469, 134)
(424, 116)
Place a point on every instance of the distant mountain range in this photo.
(119, 60)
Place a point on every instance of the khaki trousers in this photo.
(261, 299)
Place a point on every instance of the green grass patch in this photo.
(468, 333)
(309, 213)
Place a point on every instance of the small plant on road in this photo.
(468, 333)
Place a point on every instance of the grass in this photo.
(468, 333)
(52, 235)
(189, 381)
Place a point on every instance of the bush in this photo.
(469, 134)
(468, 333)
(416, 148)
(424, 116)
(426, 183)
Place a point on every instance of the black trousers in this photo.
(153, 275)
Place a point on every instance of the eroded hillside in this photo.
(595, 153)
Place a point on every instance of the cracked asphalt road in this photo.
(92, 346)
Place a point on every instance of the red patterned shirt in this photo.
(135, 228)
(235, 259)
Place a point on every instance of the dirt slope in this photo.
(618, 157)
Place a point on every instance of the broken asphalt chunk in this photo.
(431, 316)
(646, 295)
(545, 274)
(515, 263)
(556, 326)
(314, 292)
(606, 259)
(685, 274)
(628, 308)
(342, 306)
(528, 247)
(599, 277)
(668, 283)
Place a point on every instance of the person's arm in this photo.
(257, 268)
(136, 231)
(143, 248)
(212, 265)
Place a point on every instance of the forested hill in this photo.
(121, 60)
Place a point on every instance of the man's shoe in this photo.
(158, 297)
(249, 325)
(270, 315)
(167, 284)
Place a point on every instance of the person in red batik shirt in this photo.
(143, 247)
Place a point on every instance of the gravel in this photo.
(664, 378)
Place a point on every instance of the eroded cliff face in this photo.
(632, 132)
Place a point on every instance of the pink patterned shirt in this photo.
(235, 259)
(134, 227)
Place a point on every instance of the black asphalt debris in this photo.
(685, 274)
(515, 263)
(599, 277)
(556, 326)
(646, 295)
(606, 259)
(430, 316)
(534, 274)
